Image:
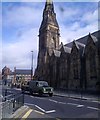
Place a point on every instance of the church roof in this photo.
(95, 36)
(57, 53)
(67, 49)
(80, 46)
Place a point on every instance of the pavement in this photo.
(18, 113)
(78, 96)
(24, 109)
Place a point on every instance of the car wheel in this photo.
(31, 92)
(50, 94)
(40, 93)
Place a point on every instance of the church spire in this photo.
(49, 6)
(49, 16)
(49, 1)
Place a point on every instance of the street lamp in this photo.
(32, 67)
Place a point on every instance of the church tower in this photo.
(48, 38)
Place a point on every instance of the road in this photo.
(61, 107)
(58, 107)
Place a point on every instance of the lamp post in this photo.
(32, 67)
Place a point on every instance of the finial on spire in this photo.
(49, 1)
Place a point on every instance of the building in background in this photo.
(21, 76)
(7, 76)
(5, 72)
(17, 77)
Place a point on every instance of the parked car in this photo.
(40, 87)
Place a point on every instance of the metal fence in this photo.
(11, 103)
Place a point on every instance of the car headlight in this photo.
(51, 89)
(44, 89)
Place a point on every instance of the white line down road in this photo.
(39, 108)
(50, 111)
(80, 105)
(93, 108)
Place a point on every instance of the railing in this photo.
(11, 103)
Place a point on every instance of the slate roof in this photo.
(23, 72)
(57, 53)
(80, 46)
(67, 49)
(95, 36)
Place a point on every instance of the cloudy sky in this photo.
(21, 22)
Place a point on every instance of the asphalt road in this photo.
(58, 107)
(61, 107)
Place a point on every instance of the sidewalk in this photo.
(18, 113)
(77, 96)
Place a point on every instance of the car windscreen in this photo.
(42, 84)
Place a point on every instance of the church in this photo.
(73, 66)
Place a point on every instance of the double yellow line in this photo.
(27, 114)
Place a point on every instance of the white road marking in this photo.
(31, 96)
(80, 105)
(96, 101)
(74, 99)
(56, 101)
(62, 103)
(53, 100)
(40, 108)
(58, 119)
(72, 104)
(93, 108)
(38, 98)
(50, 111)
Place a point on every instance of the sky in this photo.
(20, 28)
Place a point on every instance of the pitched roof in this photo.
(23, 71)
(67, 49)
(57, 53)
(80, 47)
(95, 36)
